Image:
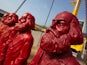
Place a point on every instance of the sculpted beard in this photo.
(55, 42)
(56, 39)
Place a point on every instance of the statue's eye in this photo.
(62, 21)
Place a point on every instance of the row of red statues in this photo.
(16, 40)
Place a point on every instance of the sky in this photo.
(40, 9)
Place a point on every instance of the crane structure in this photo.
(76, 7)
(75, 12)
(82, 47)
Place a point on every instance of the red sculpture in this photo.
(20, 47)
(8, 21)
(55, 42)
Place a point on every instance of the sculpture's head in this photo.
(62, 22)
(27, 21)
(9, 19)
(63, 32)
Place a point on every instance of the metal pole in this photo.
(76, 8)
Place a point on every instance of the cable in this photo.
(49, 12)
(47, 17)
(20, 6)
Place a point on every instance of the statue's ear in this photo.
(75, 32)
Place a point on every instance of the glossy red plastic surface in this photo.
(55, 42)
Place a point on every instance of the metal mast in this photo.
(76, 7)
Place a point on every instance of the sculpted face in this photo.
(63, 32)
(27, 21)
(9, 19)
(61, 26)
(61, 23)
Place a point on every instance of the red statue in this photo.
(8, 21)
(20, 47)
(55, 42)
